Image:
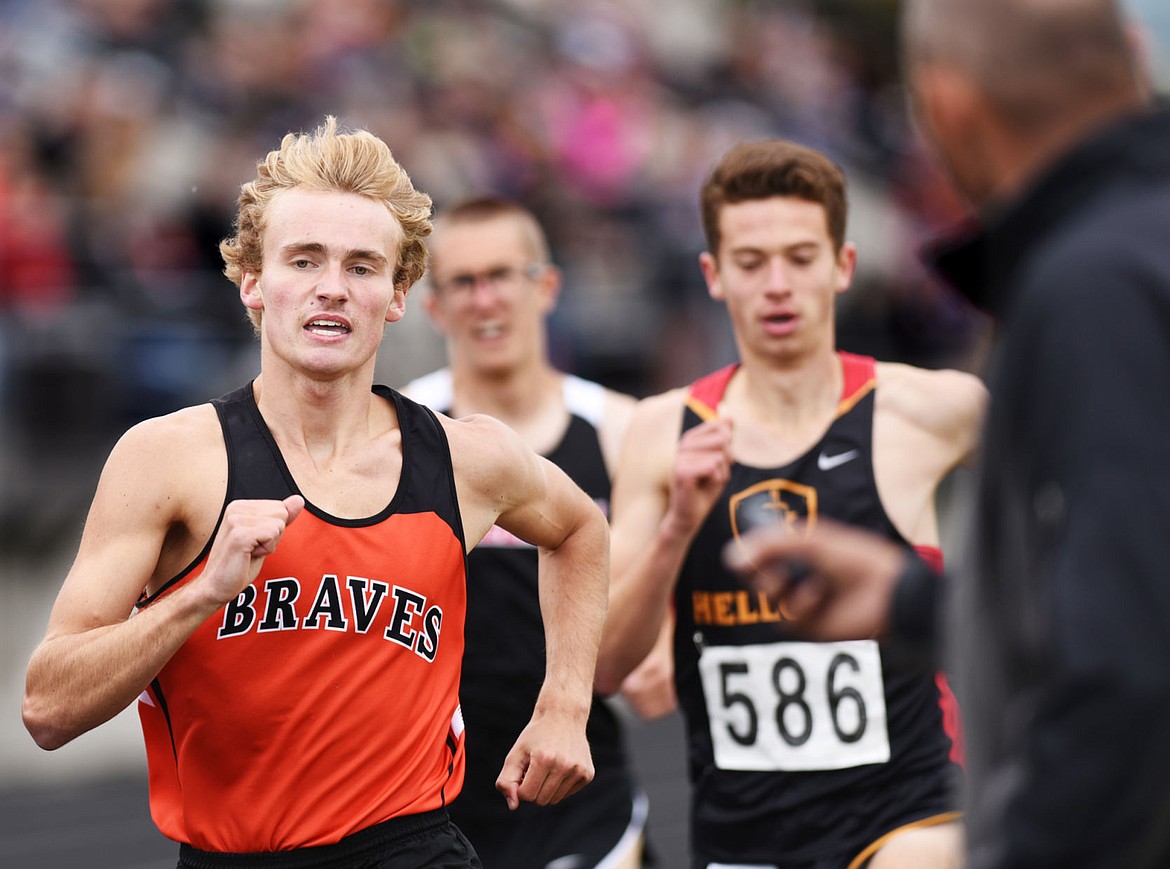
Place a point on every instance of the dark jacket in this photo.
(1060, 618)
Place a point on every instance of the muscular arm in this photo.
(501, 481)
(95, 659)
(662, 493)
(615, 425)
(926, 423)
(649, 689)
(573, 555)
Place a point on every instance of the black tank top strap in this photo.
(255, 469)
(428, 478)
(579, 455)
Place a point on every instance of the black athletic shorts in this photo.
(849, 857)
(425, 841)
(588, 829)
(598, 823)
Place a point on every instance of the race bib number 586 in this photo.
(796, 706)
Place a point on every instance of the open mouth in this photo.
(489, 330)
(780, 319)
(327, 326)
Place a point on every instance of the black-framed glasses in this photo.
(504, 277)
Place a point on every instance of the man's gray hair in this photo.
(1033, 59)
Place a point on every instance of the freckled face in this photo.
(327, 284)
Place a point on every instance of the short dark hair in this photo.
(481, 209)
(774, 167)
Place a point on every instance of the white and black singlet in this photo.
(503, 669)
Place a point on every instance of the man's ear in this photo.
(397, 307)
(549, 288)
(434, 310)
(710, 268)
(251, 293)
(956, 120)
(846, 266)
(944, 99)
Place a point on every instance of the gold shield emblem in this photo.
(773, 503)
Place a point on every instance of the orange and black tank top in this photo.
(797, 749)
(324, 698)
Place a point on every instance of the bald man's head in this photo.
(1034, 60)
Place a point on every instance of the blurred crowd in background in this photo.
(127, 127)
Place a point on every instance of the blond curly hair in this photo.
(328, 160)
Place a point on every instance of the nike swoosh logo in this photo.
(827, 463)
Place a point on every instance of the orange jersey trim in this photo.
(706, 392)
(858, 375)
(875, 846)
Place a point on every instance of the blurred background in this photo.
(127, 127)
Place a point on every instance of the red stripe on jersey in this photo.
(952, 717)
(932, 555)
(707, 392)
(858, 378)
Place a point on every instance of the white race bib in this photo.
(796, 706)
